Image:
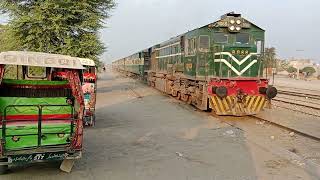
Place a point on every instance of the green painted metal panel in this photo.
(136, 69)
(205, 63)
(6, 101)
(49, 131)
(199, 63)
(33, 82)
(27, 132)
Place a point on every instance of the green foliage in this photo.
(292, 69)
(36, 72)
(282, 65)
(270, 57)
(308, 70)
(8, 42)
(59, 26)
(12, 71)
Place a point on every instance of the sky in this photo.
(292, 26)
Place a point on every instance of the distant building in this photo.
(301, 63)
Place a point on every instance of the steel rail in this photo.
(288, 128)
(303, 105)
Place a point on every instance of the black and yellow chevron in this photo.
(232, 106)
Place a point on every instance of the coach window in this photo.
(220, 38)
(242, 38)
(204, 43)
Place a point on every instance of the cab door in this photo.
(202, 58)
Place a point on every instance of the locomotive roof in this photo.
(40, 60)
(223, 18)
(230, 15)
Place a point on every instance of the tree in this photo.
(292, 69)
(282, 65)
(59, 26)
(8, 42)
(308, 70)
(270, 57)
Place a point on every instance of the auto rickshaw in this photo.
(89, 89)
(41, 109)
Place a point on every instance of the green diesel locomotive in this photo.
(218, 66)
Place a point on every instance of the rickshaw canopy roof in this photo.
(87, 62)
(38, 59)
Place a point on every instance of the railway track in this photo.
(299, 98)
(300, 94)
(298, 90)
(300, 111)
(297, 131)
(229, 120)
(307, 105)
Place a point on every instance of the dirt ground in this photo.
(295, 83)
(157, 137)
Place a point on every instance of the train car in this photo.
(218, 66)
(135, 65)
(119, 65)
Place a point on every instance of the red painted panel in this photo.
(89, 76)
(33, 119)
(249, 86)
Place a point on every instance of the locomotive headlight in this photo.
(232, 21)
(232, 28)
(222, 92)
(238, 28)
(238, 21)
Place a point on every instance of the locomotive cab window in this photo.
(220, 38)
(242, 38)
(204, 43)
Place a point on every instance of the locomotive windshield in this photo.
(220, 37)
(242, 38)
